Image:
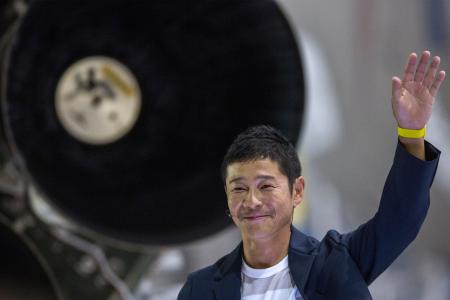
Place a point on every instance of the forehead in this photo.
(254, 169)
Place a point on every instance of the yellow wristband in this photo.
(411, 133)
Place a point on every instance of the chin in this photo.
(257, 233)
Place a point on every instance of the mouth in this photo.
(255, 218)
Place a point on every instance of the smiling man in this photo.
(263, 183)
(263, 186)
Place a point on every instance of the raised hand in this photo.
(413, 97)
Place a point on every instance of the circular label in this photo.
(98, 100)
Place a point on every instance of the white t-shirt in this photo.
(274, 283)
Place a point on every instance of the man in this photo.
(263, 183)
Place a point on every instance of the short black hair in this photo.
(261, 142)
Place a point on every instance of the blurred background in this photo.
(94, 208)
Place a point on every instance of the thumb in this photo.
(396, 88)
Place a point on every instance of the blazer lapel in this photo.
(229, 288)
(300, 260)
(228, 277)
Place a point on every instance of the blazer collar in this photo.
(228, 276)
(301, 257)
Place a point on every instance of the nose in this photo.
(252, 200)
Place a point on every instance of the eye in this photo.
(267, 187)
(238, 189)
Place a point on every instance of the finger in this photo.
(396, 88)
(431, 73)
(420, 72)
(410, 67)
(437, 83)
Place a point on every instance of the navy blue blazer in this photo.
(341, 266)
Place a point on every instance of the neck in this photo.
(266, 252)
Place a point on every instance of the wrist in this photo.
(415, 146)
(411, 141)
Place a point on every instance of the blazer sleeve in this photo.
(402, 210)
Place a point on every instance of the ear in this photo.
(298, 190)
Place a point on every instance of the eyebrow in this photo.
(257, 177)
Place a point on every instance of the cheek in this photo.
(284, 205)
(234, 210)
(234, 206)
(234, 199)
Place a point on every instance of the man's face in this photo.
(259, 198)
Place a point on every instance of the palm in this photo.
(413, 108)
(413, 97)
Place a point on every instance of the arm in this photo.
(403, 207)
(405, 199)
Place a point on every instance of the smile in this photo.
(255, 218)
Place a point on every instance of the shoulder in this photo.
(314, 252)
(302, 242)
(309, 245)
(311, 251)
